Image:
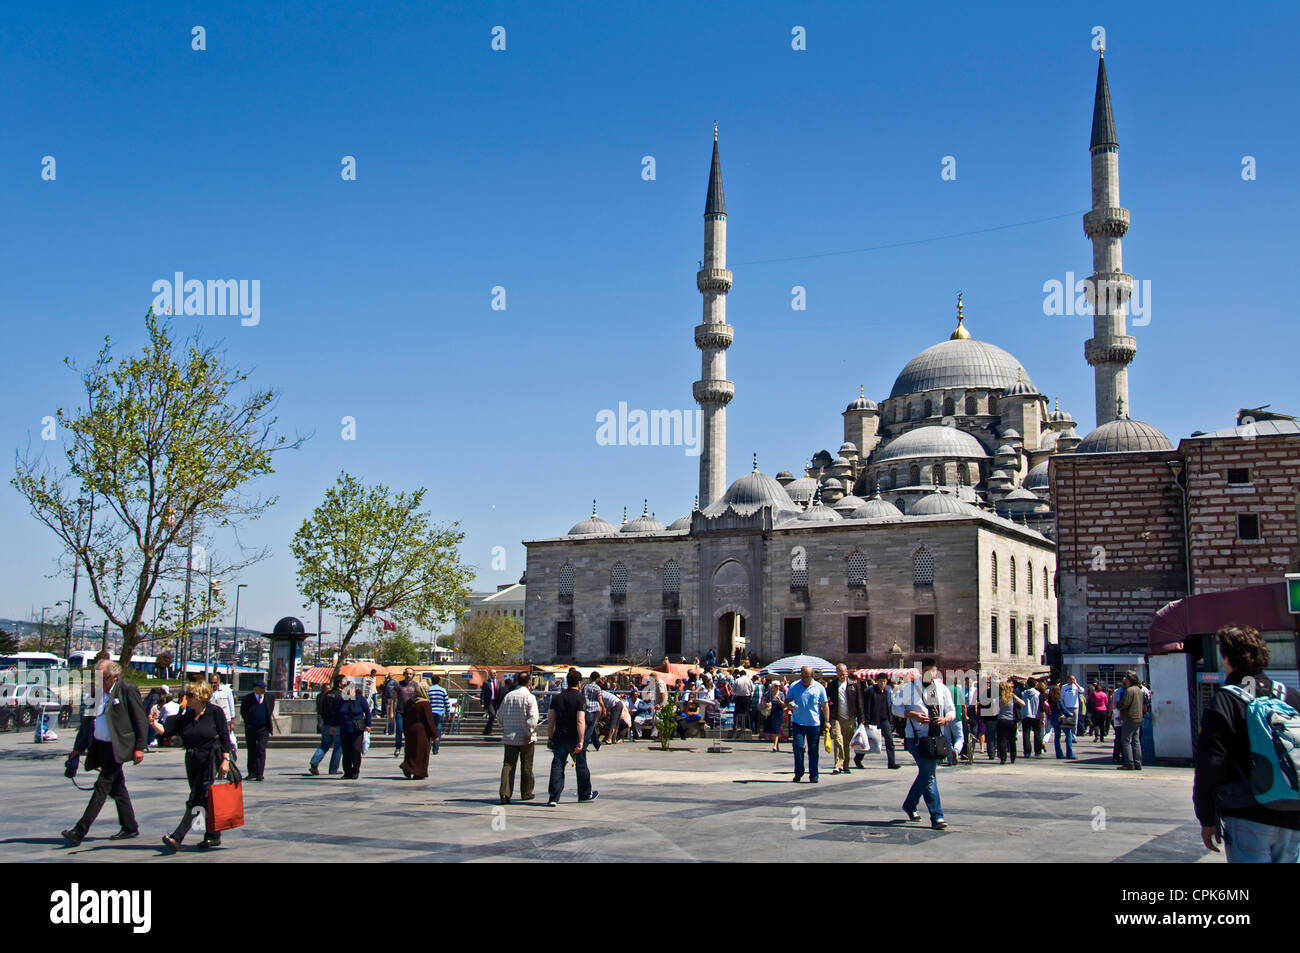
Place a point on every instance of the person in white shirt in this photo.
(1071, 710)
(224, 699)
(927, 705)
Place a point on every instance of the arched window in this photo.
(993, 404)
(672, 578)
(1013, 573)
(901, 505)
(798, 576)
(915, 411)
(940, 474)
(857, 574)
(893, 414)
(566, 580)
(914, 475)
(972, 407)
(972, 474)
(929, 408)
(993, 571)
(948, 407)
(618, 580)
(1029, 575)
(923, 567)
(1046, 591)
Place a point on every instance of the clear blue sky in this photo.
(523, 169)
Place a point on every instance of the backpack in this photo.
(1273, 729)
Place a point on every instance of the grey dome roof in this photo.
(819, 512)
(862, 403)
(593, 525)
(752, 492)
(848, 447)
(1049, 439)
(1011, 433)
(289, 625)
(938, 504)
(1037, 476)
(785, 475)
(643, 524)
(999, 475)
(1058, 415)
(946, 442)
(877, 509)
(840, 462)
(1122, 436)
(801, 490)
(682, 522)
(1006, 450)
(847, 504)
(830, 483)
(1020, 493)
(958, 363)
(1021, 388)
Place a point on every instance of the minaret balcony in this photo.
(1111, 289)
(715, 336)
(714, 392)
(1106, 223)
(713, 279)
(1116, 349)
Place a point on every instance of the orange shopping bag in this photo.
(225, 807)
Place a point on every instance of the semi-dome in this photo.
(1124, 436)
(751, 493)
(1037, 477)
(939, 504)
(1049, 439)
(961, 363)
(944, 442)
(645, 523)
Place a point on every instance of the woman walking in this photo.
(773, 711)
(353, 718)
(204, 732)
(1007, 718)
(421, 731)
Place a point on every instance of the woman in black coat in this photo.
(353, 719)
(204, 732)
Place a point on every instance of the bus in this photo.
(86, 659)
(28, 662)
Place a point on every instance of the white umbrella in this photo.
(793, 665)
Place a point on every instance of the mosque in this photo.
(929, 532)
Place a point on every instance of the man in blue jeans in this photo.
(925, 702)
(402, 697)
(567, 724)
(810, 709)
(1071, 709)
(326, 708)
(438, 702)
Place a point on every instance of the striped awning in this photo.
(318, 675)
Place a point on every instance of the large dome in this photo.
(961, 363)
(1124, 435)
(944, 442)
(750, 493)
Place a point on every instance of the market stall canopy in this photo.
(895, 674)
(793, 664)
(318, 674)
(362, 669)
(1262, 607)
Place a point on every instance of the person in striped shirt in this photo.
(438, 702)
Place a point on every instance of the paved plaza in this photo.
(683, 805)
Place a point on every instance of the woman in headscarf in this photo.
(353, 719)
(420, 730)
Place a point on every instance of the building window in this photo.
(993, 571)
(857, 575)
(1238, 476)
(993, 636)
(1046, 591)
(1029, 638)
(972, 407)
(948, 407)
(1011, 634)
(1029, 577)
(617, 637)
(940, 476)
(618, 580)
(923, 633)
(993, 404)
(901, 505)
(923, 568)
(914, 475)
(564, 639)
(672, 637)
(798, 577)
(1013, 573)
(1247, 526)
(1047, 635)
(566, 580)
(857, 635)
(792, 637)
(929, 408)
(672, 577)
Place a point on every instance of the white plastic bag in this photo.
(365, 743)
(877, 739)
(861, 741)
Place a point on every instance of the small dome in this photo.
(289, 626)
(752, 492)
(645, 523)
(1011, 434)
(847, 504)
(1060, 416)
(802, 489)
(784, 477)
(862, 403)
(877, 509)
(1022, 387)
(1006, 450)
(593, 525)
(682, 522)
(999, 475)
(1037, 477)
(1124, 436)
(819, 512)
(822, 458)
(1020, 493)
(944, 442)
(846, 448)
(1050, 437)
(830, 483)
(938, 504)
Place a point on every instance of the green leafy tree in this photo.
(8, 642)
(490, 639)
(366, 550)
(162, 450)
(399, 649)
(446, 641)
(668, 720)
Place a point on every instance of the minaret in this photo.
(713, 391)
(1110, 350)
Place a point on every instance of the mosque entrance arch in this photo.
(731, 602)
(731, 635)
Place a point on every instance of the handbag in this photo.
(935, 744)
(224, 805)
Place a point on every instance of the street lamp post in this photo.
(242, 585)
(40, 639)
(207, 624)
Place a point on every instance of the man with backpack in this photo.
(1245, 788)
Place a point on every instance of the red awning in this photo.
(1262, 607)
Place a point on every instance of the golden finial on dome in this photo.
(862, 391)
(961, 334)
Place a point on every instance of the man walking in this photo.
(117, 736)
(593, 709)
(844, 698)
(438, 702)
(926, 703)
(743, 691)
(255, 710)
(519, 716)
(403, 695)
(224, 698)
(807, 702)
(566, 724)
(327, 706)
(388, 692)
(1221, 789)
(1031, 723)
(490, 698)
(1071, 709)
(876, 713)
(1130, 742)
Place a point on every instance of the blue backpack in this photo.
(1273, 728)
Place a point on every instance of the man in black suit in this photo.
(844, 694)
(876, 711)
(490, 696)
(257, 712)
(115, 734)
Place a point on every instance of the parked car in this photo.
(23, 704)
